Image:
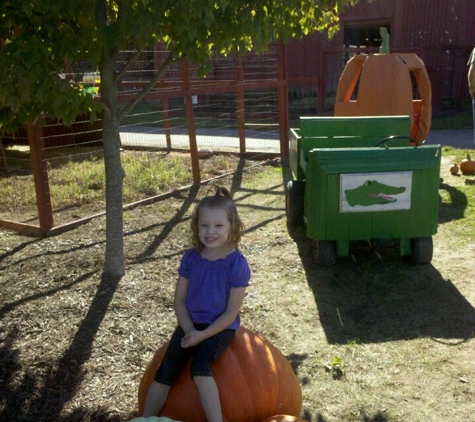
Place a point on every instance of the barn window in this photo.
(363, 36)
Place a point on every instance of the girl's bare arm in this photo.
(235, 300)
(181, 311)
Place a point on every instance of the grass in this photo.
(76, 176)
(453, 119)
(391, 350)
(457, 204)
(375, 340)
(371, 340)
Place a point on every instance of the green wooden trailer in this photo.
(363, 178)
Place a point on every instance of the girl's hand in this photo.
(192, 338)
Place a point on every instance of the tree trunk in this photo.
(114, 257)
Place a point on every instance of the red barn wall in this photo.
(440, 32)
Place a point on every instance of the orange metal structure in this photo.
(384, 87)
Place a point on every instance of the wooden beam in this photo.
(190, 117)
(3, 158)
(283, 100)
(23, 228)
(40, 173)
(240, 106)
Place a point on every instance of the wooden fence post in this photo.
(3, 158)
(240, 106)
(321, 84)
(40, 174)
(166, 117)
(283, 99)
(190, 117)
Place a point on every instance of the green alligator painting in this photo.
(371, 193)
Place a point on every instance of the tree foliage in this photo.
(41, 37)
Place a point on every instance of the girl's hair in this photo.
(221, 199)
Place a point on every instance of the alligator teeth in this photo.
(382, 195)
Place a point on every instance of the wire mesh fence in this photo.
(54, 175)
(72, 189)
(232, 90)
(216, 130)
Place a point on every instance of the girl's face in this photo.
(213, 227)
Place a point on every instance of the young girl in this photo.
(212, 279)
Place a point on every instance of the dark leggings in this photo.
(204, 354)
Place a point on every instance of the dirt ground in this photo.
(373, 338)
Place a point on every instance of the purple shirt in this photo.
(210, 282)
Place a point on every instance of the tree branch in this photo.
(165, 65)
(127, 66)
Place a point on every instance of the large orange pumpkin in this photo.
(283, 418)
(467, 165)
(153, 419)
(254, 379)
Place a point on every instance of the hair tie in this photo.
(218, 191)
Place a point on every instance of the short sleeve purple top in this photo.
(210, 282)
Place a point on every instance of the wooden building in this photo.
(440, 32)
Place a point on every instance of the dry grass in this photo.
(370, 339)
(76, 179)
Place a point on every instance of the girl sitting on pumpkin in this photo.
(212, 280)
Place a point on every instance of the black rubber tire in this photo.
(324, 253)
(422, 250)
(294, 202)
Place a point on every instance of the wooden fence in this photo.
(188, 87)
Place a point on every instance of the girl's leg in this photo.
(201, 370)
(156, 398)
(172, 364)
(209, 397)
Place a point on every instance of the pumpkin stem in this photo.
(384, 48)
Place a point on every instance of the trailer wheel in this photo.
(294, 201)
(324, 253)
(422, 250)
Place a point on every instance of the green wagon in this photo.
(359, 178)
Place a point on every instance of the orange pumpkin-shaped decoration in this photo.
(385, 88)
(254, 379)
(467, 165)
(283, 418)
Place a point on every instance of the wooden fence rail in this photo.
(185, 89)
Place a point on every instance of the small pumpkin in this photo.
(467, 165)
(454, 169)
(283, 418)
(254, 378)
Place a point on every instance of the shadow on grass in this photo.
(378, 417)
(41, 398)
(35, 399)
(373, 300)
(167, 228)
(454, 210)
